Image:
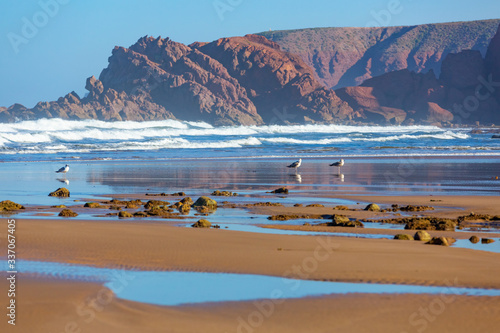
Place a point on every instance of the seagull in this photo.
(64, 169)
(295, 165)
(338, 164)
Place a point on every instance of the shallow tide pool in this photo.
(177, 288)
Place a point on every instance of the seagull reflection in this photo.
(340, 176)
(63, 180)
(297, 177)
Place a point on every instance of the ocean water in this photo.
(53, 139)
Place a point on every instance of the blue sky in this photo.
(70, 40)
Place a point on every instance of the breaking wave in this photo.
(53, 136)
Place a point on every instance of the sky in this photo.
(48, 48)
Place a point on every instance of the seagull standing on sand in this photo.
(295, 165)
(338, 164)
(64, 169)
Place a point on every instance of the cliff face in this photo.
(343, 57)
(280, 84)
(240, 80)
(466, 91)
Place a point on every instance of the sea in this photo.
(108, 158)
(57, 139)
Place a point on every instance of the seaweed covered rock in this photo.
(124, 215)
(205, 202)
(430, 224)
(67, 213)
(372, 207)
(93, 205)
(8, 205)
(202, 224)
(152, 204)
(224, 194)
(344, 221)
(443, 241)
(141, 214)
(315, 205)
(403, 237)
(60, 192)
(187, 201)
(281, 190)
(422, 236)
(487, 240)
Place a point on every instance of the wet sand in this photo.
(49, 305)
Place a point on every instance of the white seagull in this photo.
(64, 169)
(295, 165)
(338, 164)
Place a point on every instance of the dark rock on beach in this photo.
(443, 241)
(372, 207)
(422, 236)
(281, 190)
(67, 213)
(487, 240)
(474, 239)
(403, 237)
(124, 214)
(8, 205)
(202, 224)
(60, 192)
(205, 202)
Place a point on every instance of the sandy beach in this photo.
(48, 305)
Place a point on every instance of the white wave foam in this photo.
(440, 136)
(306, 142)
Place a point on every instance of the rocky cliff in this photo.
(251, 80)
(465, 92)
(343, 57)
(242, 80)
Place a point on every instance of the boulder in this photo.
(487, 240)
(187, 201)
(372, 207)
(441, 241)
(67, 213)
(202, 224)
(8, 205)
(474, 239)
(60, 192)
(422, 236)
(205, 202)
(344, 221)
(124, 215)
(281, 190)
(403, 237)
